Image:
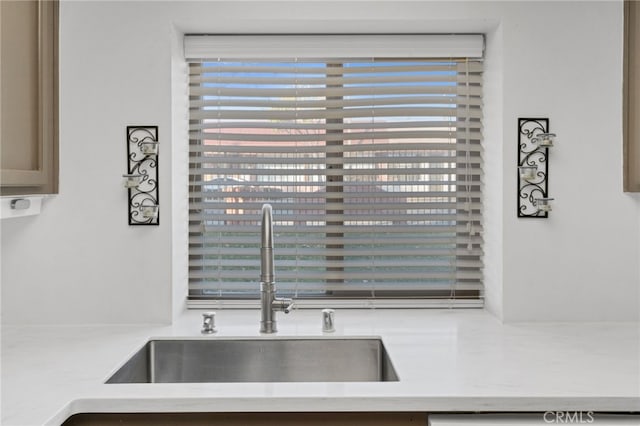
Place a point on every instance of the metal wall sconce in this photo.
(141, 179)
(534, 141)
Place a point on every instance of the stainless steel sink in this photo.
(258, 360)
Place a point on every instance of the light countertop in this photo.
(447, 361)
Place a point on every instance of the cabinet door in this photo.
(631, 90)
(28, 89)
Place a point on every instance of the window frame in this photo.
(383, 302)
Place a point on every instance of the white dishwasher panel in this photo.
(550, 418)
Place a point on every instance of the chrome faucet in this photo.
(269, 303)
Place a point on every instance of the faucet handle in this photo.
(291, 304)
(283, 304)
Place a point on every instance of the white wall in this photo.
(79, 262)
(577, 264)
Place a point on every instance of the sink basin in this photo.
(258, 360)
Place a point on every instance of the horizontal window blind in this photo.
(372, 165)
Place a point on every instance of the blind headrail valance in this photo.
(333, 46)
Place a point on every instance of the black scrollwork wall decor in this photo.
(141, 179)
(534, 141)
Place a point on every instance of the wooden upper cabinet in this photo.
(631, 99)
(29, 92)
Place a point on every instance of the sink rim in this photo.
(251, 338)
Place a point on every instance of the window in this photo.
(373, 166)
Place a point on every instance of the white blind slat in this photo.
(199, 68)
(208, 145)
(358, 125)
(443, 89)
